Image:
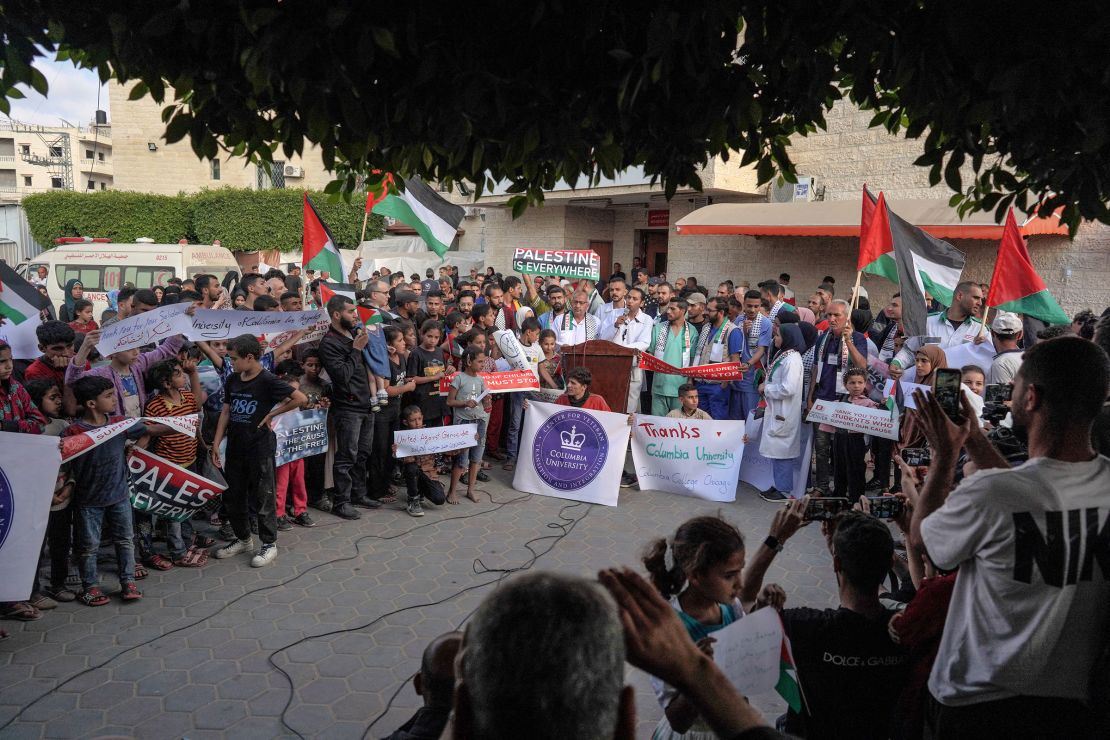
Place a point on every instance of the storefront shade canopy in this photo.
(842, 218)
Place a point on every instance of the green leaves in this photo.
(243, 220)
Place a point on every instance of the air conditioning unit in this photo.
(701, 201)
(291, 171)
(789, 192)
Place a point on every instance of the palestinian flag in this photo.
(369, 316)
(20, 303)
(1015, 284)
(876, 250)
(434, 218)
(375, 196)
(789, 687)
(921, 261)
(321, 253)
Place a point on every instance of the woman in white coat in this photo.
(781, 439)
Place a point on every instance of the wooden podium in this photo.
(611, 365)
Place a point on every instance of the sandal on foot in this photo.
(42, 601)
(156, 561)
(130, 592)
(20, 611)
(200, 541)
(509, 466)
(93, 597)
(190, 558)
(140, 572)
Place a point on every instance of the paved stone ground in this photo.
(331, 633)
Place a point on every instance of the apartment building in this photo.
(37, 159)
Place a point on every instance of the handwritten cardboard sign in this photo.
(206, 324)
(748, 651)
(144, 328)
(412, 442)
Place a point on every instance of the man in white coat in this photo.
(780, 441)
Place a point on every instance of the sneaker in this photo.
(227, 532)
(346, 511)
(414, 508)
(283, 524)
(628, 480)
(772, 494)
(265, 556)
(234, 548)
(383, 398)
(323, 504)
(375, 408)
(304, 520)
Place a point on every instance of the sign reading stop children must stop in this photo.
(581, 264)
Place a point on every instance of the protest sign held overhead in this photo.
(688, 457)
(25, 493)
(572, 453)
(161, 488)
(578, 264)
(876, 422)
(300, 434)
(144, 328)
(411, 442)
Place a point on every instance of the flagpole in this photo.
(365, 217)
(855, 291)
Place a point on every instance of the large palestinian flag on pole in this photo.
(20, 303)
(920, 261)
(1015, 284)
(321, 252)
(434, 218)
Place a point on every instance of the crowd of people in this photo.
(982, 612)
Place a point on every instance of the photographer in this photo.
(1029, 612)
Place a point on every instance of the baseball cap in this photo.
(406, 296)
(695, 297)
(1006, 323)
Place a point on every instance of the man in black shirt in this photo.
(850, 670)
(341, 355)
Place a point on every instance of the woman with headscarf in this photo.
(927, 361)
(781, 437)
(74, 292)
(805, 315)
(809, 335)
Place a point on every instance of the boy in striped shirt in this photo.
(172, 378)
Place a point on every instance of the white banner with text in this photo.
(688, 457)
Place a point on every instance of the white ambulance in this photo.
(103, 266)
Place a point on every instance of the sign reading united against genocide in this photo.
(582, 264)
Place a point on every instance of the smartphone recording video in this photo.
(946, 387)
(822, 509)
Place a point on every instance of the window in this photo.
(55, 151)
(100, 156)
(88, 154)
(26, 181)
(277, 174)
(92, 185)
(103, 186)
(98, 278)
(56, 182)
(215, 169)
(24, 148)
(147, 277)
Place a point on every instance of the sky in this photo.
(71, 96)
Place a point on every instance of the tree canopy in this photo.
(535, 93)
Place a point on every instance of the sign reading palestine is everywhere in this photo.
(577, 264)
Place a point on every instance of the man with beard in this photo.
(341, 355)
(959, 324)
(1026, 626)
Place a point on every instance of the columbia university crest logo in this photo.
(569, 450)
(7, 507)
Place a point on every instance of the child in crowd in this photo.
(471, 402)
(530, 345)
(172, 380)
(47, 397)
(425, 367)
(458, 324)
(703, 578)
(55, 341)
(250, 397)
(419, 471)
(551, 374)
(386, 422)
(17, 412)
(850, 448)
(289, 477)
(973, 377)
(688, 398)
(83, 310)
(316, 390)
(408, 329)
(100, 479)
(124, 370)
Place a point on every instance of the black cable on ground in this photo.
(497, 505)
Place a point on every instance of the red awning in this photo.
(842, 217)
